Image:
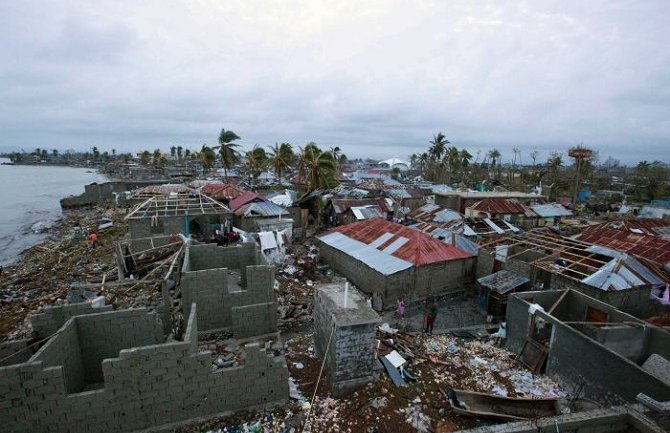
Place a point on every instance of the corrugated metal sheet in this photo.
(221, 190)
(550, 210)
(264, 209)
(653, 248)
(419, 250)
(395, 245)
(244, 198)
(448, 237)
(622, 272)
(367, 212)
(381, 262)
(499, 206)
(503, 281)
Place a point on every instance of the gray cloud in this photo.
(377, 78)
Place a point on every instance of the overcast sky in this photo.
(377, 78)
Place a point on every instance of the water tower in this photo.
(579, 154)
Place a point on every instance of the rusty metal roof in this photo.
(222, 190)
(244, 198)
(401, 242)
(499, 206)
(651, 247)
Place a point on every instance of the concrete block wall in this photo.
(217, 300)
(575, 357)
(53, 318)
(14, 351)
(144, 387)
(349, 351)
(256, 319)
(104, 335)
(209, 290)
(211, 256)
(64, 351)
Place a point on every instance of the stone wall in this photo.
(144, 387)
(52, 318)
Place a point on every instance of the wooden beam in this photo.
(558, 301)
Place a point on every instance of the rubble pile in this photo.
(435, 363)
(296, 279)
(64, 268)
(46, 271)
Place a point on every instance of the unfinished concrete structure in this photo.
(159, 219)
(107, 193)
(114, 372)
(390, 261)
(588, 343)
(233, 288)
(554, 262)
(344, 333)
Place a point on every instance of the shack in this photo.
(495, 289)
(390, 261)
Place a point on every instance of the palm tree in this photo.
(96, 152)
(173, 151)
(281, 157)
(157, 157)
(256, 162)
(54, 152)
(438, 147)
(317, 168)
(114, 153)
(187, 153)
(180, 153)
(145, 156)
(494, 155)
(554, 163)
(423, 161)
(229, 156)
(206, 156)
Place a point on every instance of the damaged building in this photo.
(553, 262)
(115, 372)
(587, 344)
(389, 261)
(120, 371)
(160, 218)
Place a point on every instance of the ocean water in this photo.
(30, 201)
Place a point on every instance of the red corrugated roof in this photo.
(419, 250)
(244, 198)
(222, 190)
(499, 206)
(653, 248)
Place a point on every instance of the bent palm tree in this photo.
(281, 157)
(317, 168)
(229, 156)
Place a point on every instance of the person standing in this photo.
(431, 314)
(93, 238)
